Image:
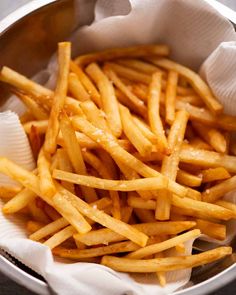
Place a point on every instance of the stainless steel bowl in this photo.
(29, 36)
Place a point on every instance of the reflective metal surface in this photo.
(28, 38)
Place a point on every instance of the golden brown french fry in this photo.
(208, 159)
(108, 163)
(188, 179)
(212, 136)
(87, 83)
(195, 80)
(19, 201)
(105, 235)
(65, 165)
(170, 163)
(70, 213)
(162, 246)
(108, 98)
(144, 215)
(204, 208)
(198, 143)
(213, 230)
(32, 226)
(140, 90)
(212, 174)
(64, 52)
(8, 192)
(99, 251)
(98, 216)
(60, 237)
(37, 213)
(227, 205)
(26, 117)
(193, 99)
(151, 183)
(46, 184)
(217, 191)
(36, 141)
(76, 158)
(136, 51)
(139, 104)
(139, 65)
(35, 109)
(118, 153)
(126, 214)
(76, 88)
(165, 264)
(139, 141)
(154, 113)
(204, 116)
(172, 81)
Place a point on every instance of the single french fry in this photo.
(108, 98)
(108, 163)
(213, 230)
(170, 163)
(204, 208)
(86, 82)
(204, 116)
(36, 110)
(26, 117)
(140, 90)
(217, 191)
(213, 174)
(195, 80)
(65, 165)
(140, 142)
(60, 237)
(139, 65)
(64, 52)
(212, 136)
(165, 264)
(36, 141)
(9, 192)
(126, 214)
(136, 51)
(19, 201)
(76, 88)
(70, 213)
(227, 205)
(139, 104)
(162, 246)
(153, 112)
(46, 184)
(118, 153)
(208, 159)
(76, 158)
(99, 251)
(172, 81)
(97, 215)
(193, 99)
(188, 179)
(105, 235)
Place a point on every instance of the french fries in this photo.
(128, 138)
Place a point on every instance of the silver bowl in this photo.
(29, 37)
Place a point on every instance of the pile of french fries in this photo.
(134, 155)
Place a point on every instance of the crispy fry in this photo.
(87, 83)
(8, 192)
(171, 86)
(153, 112)
(136, 51)
(212, 174)
(37, 213)
(198, 143)
(159, 247)
(144, 215)
(41, 126)
(211, 136)
(109, 101)
(217, 191)
(165, 264)
(76, 88)
(140, 142)
(76, 159)
(32, 226)
(60, 237)
(105, 235)
(227, 205)
(186, 178)
(195, 80)
(35, 141)
(213, 230)
(144, 128)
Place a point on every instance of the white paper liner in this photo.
(195, 33)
